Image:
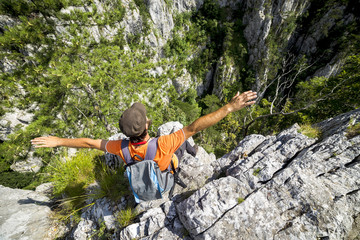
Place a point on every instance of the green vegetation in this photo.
(309, 131)
(240, 200)
(15, 179)
(72, 179)
(77, 83)
(112, 182)
(256, 171)
(126, 217)
(353, 130)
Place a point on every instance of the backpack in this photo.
(146, 180)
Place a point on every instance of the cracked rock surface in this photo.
(287, 186)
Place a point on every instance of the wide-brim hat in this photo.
(133, 120)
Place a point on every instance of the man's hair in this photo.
(139, 138)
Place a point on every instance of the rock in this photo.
(45, 189)
(14, 119)
(202, 209)
(161, 17)
(171, 127)
(84, 230)
(150, 222)
(24, 214)
(31, 164)
(243, 149)
(303, 190)
(195, 171)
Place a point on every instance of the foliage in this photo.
(353, 130)
(112, 182)
(72, 176)
(240, 200)
(75, 84)
(309, 131)
(331, 96)
(15, 179)
(256, 171)
(70, 179)
(125, 217)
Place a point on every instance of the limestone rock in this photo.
(31, 164)
(150, 222)
(12, 119)
(291, 187)
(24, 214)
(213, 200)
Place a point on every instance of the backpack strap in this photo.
(126, 152)
(151, 149)
(177, 180)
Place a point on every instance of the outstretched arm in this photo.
(238, 102)
(51, 141)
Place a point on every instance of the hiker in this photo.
(135, 124)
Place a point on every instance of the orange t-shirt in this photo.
(167, 145)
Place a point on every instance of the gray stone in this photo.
(31, 164)
(202, 209)
(314, 195)
(24, 214)
(242, 150)
(150, 222)
(13, 119)
(84, 229)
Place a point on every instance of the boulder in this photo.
(24, 215)
(288, 187)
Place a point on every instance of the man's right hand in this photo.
(42, 142)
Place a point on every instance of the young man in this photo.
(134, 124)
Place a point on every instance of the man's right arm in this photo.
(52, 141)
(238, 102)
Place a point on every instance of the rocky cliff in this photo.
(274, 40)
(286, 186)
(282, 186)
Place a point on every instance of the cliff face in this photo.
(274, 40)
(281, 187)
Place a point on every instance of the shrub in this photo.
(126, 217)
(113, 183)
(353, 130)
(15, 179)
(309, 131)
(70, 179)
(240, 200)
(256, 171)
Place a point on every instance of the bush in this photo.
(113, 183)
(309, 131)
(126, 217)
(15, 179)
(353, 130)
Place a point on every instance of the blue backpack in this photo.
(146, 180)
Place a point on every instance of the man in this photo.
(134, 124)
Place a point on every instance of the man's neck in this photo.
(147, 137)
